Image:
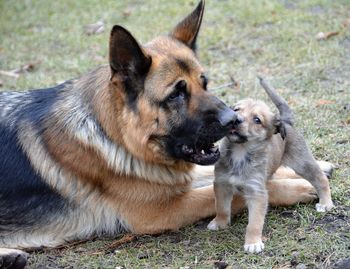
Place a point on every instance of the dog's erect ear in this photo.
(280, 127)
(125, 54)
(187, 30)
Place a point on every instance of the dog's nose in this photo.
(227, 116)
(238, 120)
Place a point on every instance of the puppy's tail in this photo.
(286, 113)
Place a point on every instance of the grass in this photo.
(238, 39)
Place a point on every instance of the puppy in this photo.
(258, 145)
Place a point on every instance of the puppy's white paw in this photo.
(254, 248)
(324, 208)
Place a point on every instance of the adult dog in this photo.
(116, 148)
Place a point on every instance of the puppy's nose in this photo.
(227, 116)
(238, 120)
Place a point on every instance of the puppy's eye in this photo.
(257, 120)
(235, 109)
(180, 91)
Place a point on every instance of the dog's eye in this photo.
(181, 85)
(204, 81)
(180, 91)
(235, 109)
(257, 120)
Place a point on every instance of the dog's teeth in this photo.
(202, 151)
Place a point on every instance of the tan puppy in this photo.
(252, 153)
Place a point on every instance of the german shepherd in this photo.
(251, 153)
(115, 149)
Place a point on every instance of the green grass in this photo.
(240, 39)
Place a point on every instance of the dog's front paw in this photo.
(215, 225)
(12, 258)
(254, 248)
(324, 207)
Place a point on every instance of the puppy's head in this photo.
(255, 122)
(168, 116)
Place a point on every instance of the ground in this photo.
(238, 40)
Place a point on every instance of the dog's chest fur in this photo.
(243, 166)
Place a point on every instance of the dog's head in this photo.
(255, 122)
(166, 113)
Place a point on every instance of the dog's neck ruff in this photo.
(121, 161)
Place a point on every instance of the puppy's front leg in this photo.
(257, 207)
(223, 198)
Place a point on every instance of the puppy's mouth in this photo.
(201, 153)
(237, 137)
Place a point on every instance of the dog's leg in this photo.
(174, 213)
(223, 197)
(299, 157)
(12, 258)
(287, 172)
(310, 170)
(326, 167)
(257, 207)
(290, 191)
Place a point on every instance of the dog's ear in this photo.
(279, 127)
(126, 55)
(187, 30)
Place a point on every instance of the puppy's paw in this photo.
(324, 207)
(326, 167)
(215, 225)
(12, 258)
(254, 248)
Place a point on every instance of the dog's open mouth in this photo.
(203, 154)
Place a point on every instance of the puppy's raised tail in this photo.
(286, 114)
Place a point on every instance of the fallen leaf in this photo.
(322, 102)
(346, 22)
(15, 73)
(220, 265)
(324, 36)
(29, 67)
(94, 28)
(126, 13)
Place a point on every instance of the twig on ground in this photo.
(9, 74)
(111, 247)
(226, 85)
(233, 83)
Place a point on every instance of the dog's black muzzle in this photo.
(194, 140)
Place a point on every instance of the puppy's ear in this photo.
(279, 127)
(126, 55)
(187, 30)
